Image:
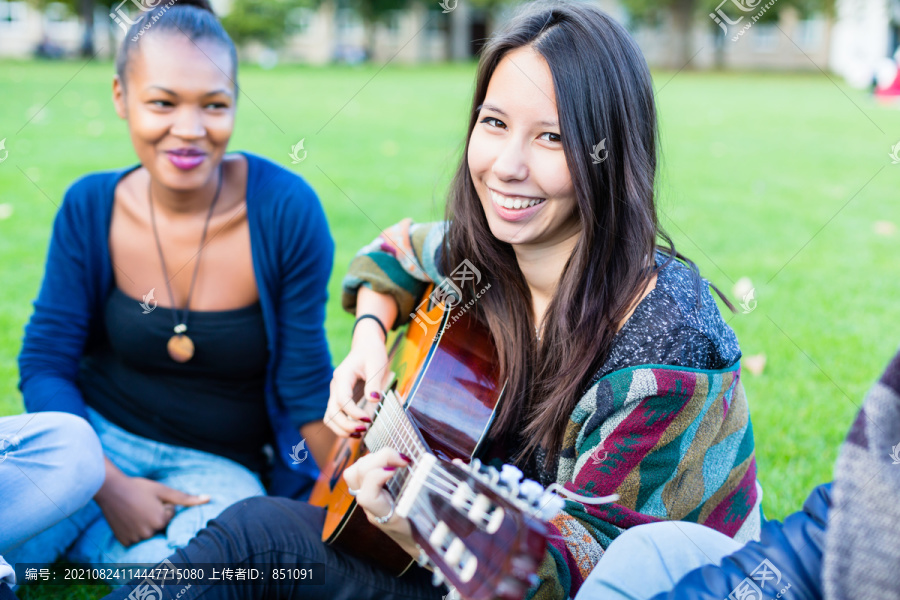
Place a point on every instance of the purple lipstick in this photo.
(186, 158)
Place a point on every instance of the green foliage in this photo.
(265, 21)
(492, 4)
(651, 12)
(372, 11)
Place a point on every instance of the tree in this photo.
(684, 12)
(372, 13)
(264, 21)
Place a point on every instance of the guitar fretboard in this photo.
(393, 429)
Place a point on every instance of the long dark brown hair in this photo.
(603, 91)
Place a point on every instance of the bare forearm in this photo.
(369, 302)
(112, 477)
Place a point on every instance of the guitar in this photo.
(481, 530)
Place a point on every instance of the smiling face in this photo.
(516, 158)
(180, 108)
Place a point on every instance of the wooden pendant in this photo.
(181, 348)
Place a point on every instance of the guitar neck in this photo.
(479, 529)
(393, 429)
(425, 475)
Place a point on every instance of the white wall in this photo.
(860, 39)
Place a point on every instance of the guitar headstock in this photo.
(482, 529)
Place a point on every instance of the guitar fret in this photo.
(392, 429)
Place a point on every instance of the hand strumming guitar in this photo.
(366, 364)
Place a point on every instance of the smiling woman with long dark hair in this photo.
(182, 308)
(621, 375)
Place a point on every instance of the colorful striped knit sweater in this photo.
(674, 442)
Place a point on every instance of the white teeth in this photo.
(513, 203)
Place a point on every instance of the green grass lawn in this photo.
(780, 178)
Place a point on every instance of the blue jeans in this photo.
(87, 538)
(649, 559)
(51, 465)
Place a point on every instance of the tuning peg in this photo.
(510, 588)
(522, 567)
(437, 578)
(531, 490)
(422, 559)
(510, 476)
(550, 505)
(491, 475)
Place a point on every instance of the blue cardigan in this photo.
(292, 253)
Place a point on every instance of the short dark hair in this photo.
(193, 18)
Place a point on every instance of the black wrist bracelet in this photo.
(374, 318)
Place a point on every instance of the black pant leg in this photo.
(267, 532)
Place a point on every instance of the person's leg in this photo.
(7, 581)
(186, 470)
(649, 559)
(56, 541)
(224, 481)
(51, 464)
(267, 533)
(46, 547)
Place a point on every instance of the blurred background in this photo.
(852, 38)
(779, 174)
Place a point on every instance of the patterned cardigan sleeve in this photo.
(400, 262)
(673, 443)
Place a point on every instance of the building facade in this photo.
(863, 33)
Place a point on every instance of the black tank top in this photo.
(215, 402)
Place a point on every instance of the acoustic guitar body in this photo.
(444, 369)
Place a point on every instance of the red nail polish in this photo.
(405, 457)
(365, 419)
(356, 435)
(361, 428)
(375, 396)
(389, 468)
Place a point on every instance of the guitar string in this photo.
(393, 424)
(410, 445)
(395, 421)
(413, 448)
(431, 517)
(385, 414)
(401, 421)
(394, 428)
